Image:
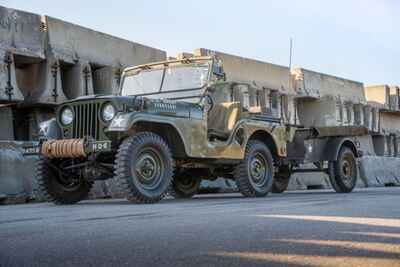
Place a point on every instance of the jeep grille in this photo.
(86, 120)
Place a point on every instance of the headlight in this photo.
(67, 116)
(108, 112)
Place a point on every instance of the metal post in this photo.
(54, 72)
(9, 88)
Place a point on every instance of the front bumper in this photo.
(67, 148)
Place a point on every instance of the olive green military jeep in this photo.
(172, 124)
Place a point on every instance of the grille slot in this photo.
(86, 121)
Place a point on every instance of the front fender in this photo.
(124, 123)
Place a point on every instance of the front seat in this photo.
(222, 119)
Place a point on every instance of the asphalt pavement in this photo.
(304, 228)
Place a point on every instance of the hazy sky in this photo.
(355, 39)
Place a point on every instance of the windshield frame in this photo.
(164, 66)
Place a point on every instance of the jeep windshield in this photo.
(182, 81)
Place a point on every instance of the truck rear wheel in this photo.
(254, 175)
(343, 171)
(281, 180)
(60, 185)
(144, 167)
(184, 185)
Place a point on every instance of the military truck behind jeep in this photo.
(175, 123)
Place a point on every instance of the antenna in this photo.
(290, 53)
(290, 78)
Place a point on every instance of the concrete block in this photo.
(304, 181)
(21, 33)
(316, 85)
(380, 171)
(383, 96)
(17, 172)
(70, 42)
(389, 123)
(242, 69)
(326, 111)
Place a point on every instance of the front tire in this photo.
(254, 175)
(58, 185)
(343, 171)
(144, 167)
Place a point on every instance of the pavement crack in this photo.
(145, 214)
(21, 220)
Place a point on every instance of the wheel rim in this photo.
(258, 170)
(149, 168)
(347, 168)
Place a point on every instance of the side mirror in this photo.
(207, 103)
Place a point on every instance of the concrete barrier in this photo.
(380, 171)
(21, 33)
(262, 73)
(70, 42)
(314, 84)
(17, 182)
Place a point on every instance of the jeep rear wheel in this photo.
(254, 175)
(144, 167)
(343, 171)
(60, 184)
(184, 185)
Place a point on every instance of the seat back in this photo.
(223, 117)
